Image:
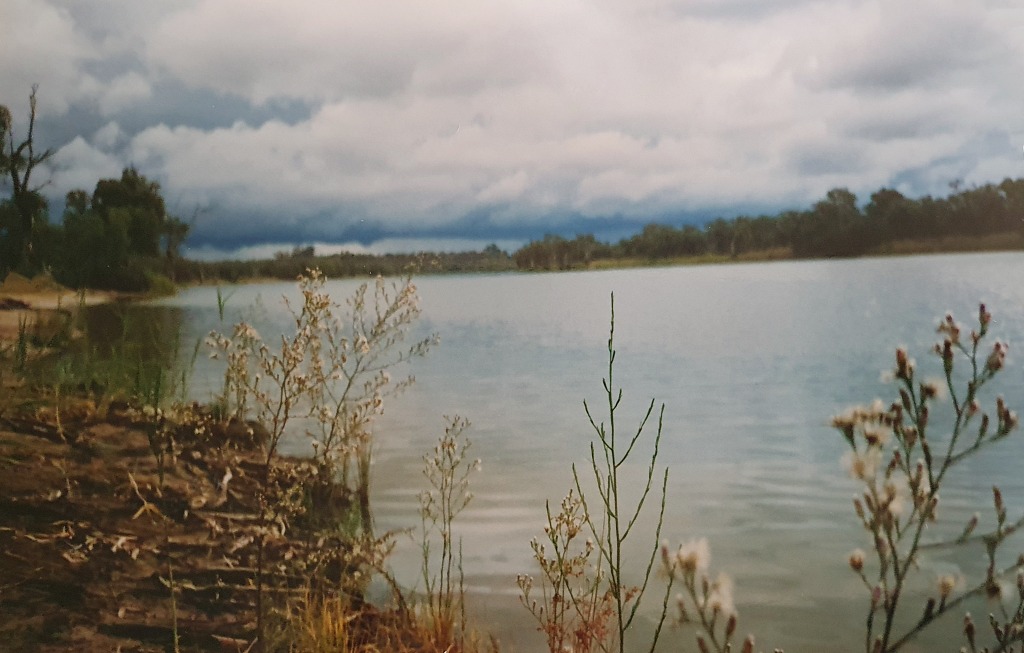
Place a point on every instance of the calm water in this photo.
(750, 360)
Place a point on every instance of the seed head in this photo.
(947, 584)
(856, 560)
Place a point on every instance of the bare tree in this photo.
(18, 163)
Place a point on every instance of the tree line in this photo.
(836, 226)
(289, 265)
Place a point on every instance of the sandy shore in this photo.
(33, 303)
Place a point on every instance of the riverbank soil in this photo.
(92, 541)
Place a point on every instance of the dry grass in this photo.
(1009, 241)
(335, 625)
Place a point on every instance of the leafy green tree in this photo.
(95, 248)
(141, 205)
(1012, 191)
(833, 227)
(892, 214)
(721, 236)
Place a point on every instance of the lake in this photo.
(750, 360)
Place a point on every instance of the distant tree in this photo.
(892, 214)
(721, 236)
(93, 249)
(833, 227)
(1012, 191)
(175, 233)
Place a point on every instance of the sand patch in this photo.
(30, 304)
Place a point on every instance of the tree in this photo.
(1012, 191)
(18, 228)
(175, 233)
(892, 214)
(721, 235)
(143, 208)
(119, 237)
(834, 227)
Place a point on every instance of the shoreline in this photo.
(984, 244)
(33, 303)
(30, 307)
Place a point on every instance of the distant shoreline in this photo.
(990, 243)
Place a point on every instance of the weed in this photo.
(902, 460)
(447, 470)
(332, 372)
(603, 608)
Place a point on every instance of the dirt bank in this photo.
(90, 537)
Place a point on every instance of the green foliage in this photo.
(113, 241)
(138, 206)
(158, 285)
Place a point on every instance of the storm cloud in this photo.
(343, 122)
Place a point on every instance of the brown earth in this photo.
(90, 537)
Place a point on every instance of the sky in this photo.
(404, 125)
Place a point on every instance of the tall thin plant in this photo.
(447, 469)
(612, 521)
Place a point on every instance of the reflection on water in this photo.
(751, 361)
(148, 331)
(135, 349)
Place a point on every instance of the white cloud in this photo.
(123, 92)
(40, 45)
(329, 49)
(80, 165)
(108, 136)
(420, 114)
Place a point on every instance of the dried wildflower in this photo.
(856, 560)
(933, 389)
(862, 465)
(950, 328)
(694, 556)
(973, 408)
(994, 590)
(947, 583)
(984, 317)
(997, 358)
(720, 597)
(904, 365)
(876, 435)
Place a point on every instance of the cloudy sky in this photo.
(408, 124)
